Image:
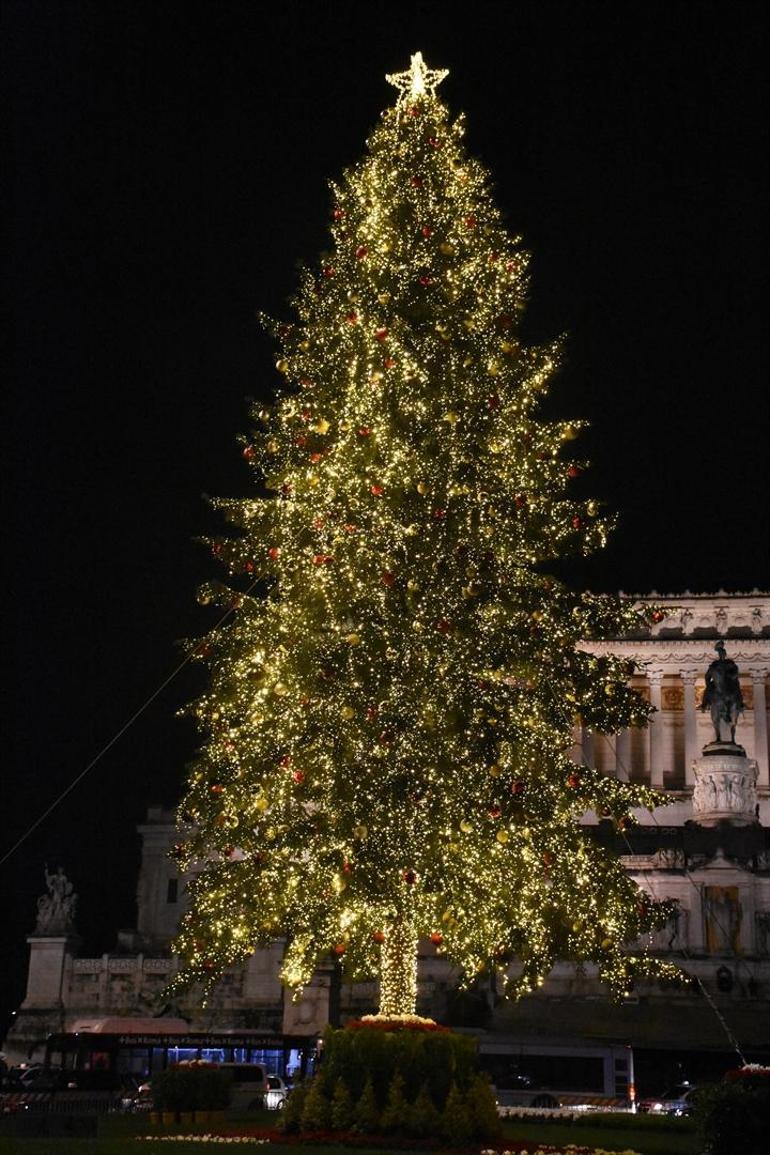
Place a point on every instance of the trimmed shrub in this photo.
(316, 1110)
(194, 1086)
(395, 1115)
(482, 1109)
(455, 1120)
(438, 1058)
(424, 1119)
(733, 1119)
(403, 1081)
(342, 1106)
(366, 1116)
(293, 1108)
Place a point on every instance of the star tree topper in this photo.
(418, 81)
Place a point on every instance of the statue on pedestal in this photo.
(723, 695)
(56, 910)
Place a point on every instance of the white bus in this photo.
(564, 1074)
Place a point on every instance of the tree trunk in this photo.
(398, 969)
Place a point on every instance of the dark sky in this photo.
(168, 165)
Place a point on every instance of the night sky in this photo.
(168, 170)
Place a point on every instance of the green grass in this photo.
(648, 1136)
(117, 1136)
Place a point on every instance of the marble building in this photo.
(709, 849)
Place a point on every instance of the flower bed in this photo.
(394, 1023)
(369, 1141)
(547, 1149)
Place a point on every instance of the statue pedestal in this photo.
(725, 786)
(47, 962)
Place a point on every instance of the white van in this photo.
(249, 1085)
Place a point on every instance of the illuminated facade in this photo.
(709, 850)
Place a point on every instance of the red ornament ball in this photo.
(327, 271)
(417, 182)
(443, 626)
(339, 948)
(519, 501)
(470, 221)
(364, 431)
(389, 363)
(381, 334)
(352, 318)
(361, 252)
(274, 552)
(577, 522)
(217, 788)
(517, 787)
(410, 877)
(574, 471)
(248, 452)
(299, 776)
(437, 938)
(494, 812)
(658, 616)
(573, 781)
(388, 578)
(378, 936)
(376, 490)
(426, 231)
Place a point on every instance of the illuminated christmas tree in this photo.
(392, 698)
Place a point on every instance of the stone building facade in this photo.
(709, 849)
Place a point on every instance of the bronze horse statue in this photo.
(723, 693)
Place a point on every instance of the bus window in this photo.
(182, 1054)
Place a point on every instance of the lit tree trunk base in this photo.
(398, 970)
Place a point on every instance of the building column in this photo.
(655, 678)
(611, 757)
(623, 755)
(587, 742)
(760, 724)
(691, 751)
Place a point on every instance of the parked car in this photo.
(275, 1095)
(136, 1096)
(249, 1085)
(677, 1100)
